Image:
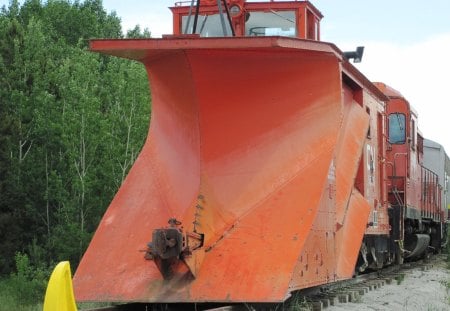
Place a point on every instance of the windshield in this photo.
(272, 23)
(207, 26)
(397, 128)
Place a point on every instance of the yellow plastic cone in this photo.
(59, 295)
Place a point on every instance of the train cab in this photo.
(413, 190)
(239, 18)
(404, 152)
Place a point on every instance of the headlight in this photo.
(235, 10)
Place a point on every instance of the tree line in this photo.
(71, 125)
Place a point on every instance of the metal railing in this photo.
(430, 194)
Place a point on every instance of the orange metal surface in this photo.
(240, 155)
(255, 132)
(350, 236)
(349, 151)
(332, 247)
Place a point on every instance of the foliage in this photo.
(136, 33)
(400, 278)
(71, 125)
(24, 287)
(298, 303)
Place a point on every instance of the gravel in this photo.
(419, 290)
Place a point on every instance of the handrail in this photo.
(430, 196)
(185, 2)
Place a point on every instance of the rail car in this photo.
(436, 159)
(272, 164)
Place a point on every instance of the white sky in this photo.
(407, 45)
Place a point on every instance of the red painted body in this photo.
(410, 185)
(270, 151)
(405, 160)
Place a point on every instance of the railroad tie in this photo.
(317, 305)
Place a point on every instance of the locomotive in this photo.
(272, 164)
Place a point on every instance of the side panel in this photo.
(328, 254)
(374, 163)
(350, 236)
(349, 150)
(317, 263)
(352, 209)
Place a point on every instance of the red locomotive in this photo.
(272, 164)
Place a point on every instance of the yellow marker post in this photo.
(59, 295)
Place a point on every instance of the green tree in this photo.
(136, 33)
(71, 124)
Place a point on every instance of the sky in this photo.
(407, 46)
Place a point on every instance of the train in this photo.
(272, 165)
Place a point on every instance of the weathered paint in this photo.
(258, 128)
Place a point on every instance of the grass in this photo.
(298, 303)
(11, 299)
(400, 278)
(24, 289)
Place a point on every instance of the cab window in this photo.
(272, 23)
(207, 26)
(397, 126)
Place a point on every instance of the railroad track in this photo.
(352, 290)
(316, 298)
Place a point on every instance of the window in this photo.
(273, 23)
(397, 128)
(413, 134)
(207, 25)
(369, 136)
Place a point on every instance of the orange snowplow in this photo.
(245, 188)
(244, 157)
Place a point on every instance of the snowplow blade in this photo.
(241, 143)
